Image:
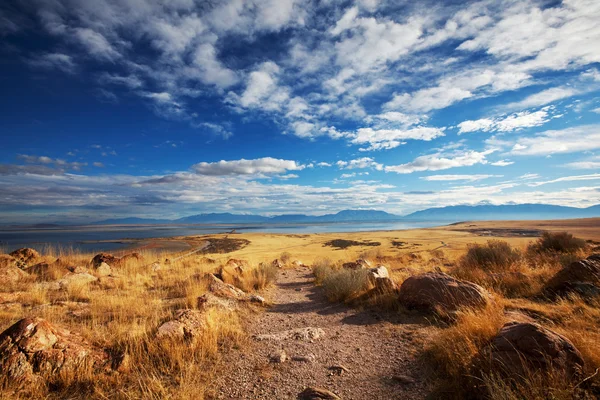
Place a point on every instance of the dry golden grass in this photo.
(122, 312)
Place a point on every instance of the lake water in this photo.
(86, 238)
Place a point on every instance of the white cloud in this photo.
(569, 140)
(569, 179)
(96, 44)
(508, 123)
(379, 139)
(596, 110)
(360, 163)
(544, 97)
(471, 178)
(98, 165)
(501, 163)
(529, 176)
(439, 161)
(59, 61)
(260, 166)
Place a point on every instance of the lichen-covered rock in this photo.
(187, 324)
(104, 269)
(209, 300)
(438, 291)
(33, 347)
(222, 289)
(522, 346)
(9, 272)
(304, 334)
(104, 258)
(570, 278)
(72, 279)
(25, 256)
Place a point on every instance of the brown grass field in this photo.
(122, 311)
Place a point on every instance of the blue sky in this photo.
(139, 108)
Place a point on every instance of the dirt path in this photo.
(374, 349)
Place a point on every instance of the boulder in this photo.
(570, 278)
(104, 258)
(9, 272)
(103, 269)
(72, 279)
(314, 393)
(129, 257)
(25, 256)
(222, 289)
(522, 346)
(209, 300)
(33, 347)
(277, 263)
(186, 324)
(435, 291)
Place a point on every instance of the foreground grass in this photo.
(121, 313)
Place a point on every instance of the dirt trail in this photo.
(373, 347)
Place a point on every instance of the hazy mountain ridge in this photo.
(449, 213)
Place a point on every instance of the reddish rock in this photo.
(104, 258)
(222, 289)
(33, 347)
(9, 272)
(571, 277)
(522, 346)
(187, 324)
(435, 291)
(25, 256)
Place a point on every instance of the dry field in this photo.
(117, 312)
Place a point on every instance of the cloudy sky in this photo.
(146, 108)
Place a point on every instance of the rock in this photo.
(277, 263)
(520, 346)
(379, 272)
(9, 272)
(403, 379)
(129, 257)
(358, 264)
(72, 279)
(33, 347)
(104, 258)
(339, 369)
(313, 393)
(570, 277)
(299, 264)
(310, 358)
(234, 263)
(209, 300)
(279, 357)
(155, 266)
(435, 291)
(222, 289)
(253, 298)
(186, 325)
(103, 269)
(79, 270)
(304, 334)
(25, 256)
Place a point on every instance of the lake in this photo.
(87, 238)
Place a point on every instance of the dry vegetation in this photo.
(120, 313)
(516, 277)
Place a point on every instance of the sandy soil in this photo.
(375, 348)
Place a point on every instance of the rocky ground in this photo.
(354, 354)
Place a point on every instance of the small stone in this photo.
(339, 369)
(310, 358)
(279, 357)
(313, 393)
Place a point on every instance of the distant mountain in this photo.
(221, 218)
(446, 214)
(503, 212)
(132, 221)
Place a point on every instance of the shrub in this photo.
(557, 242)
(321, 268)
(345, 284)
(285, 257)
(496, 255)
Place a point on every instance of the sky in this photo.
(163, 109)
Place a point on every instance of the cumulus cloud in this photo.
(259, 166)
(439, 161)
(360, 163)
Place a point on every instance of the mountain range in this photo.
(445, 214)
